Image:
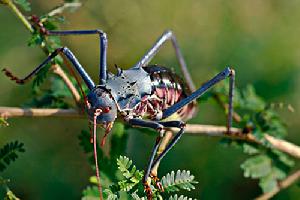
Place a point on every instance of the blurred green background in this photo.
(260, 39)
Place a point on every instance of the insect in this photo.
(144, 95)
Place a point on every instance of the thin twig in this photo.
(283, 145)
(59, 9)
(221, 131)
(281, 185)
(14, 112)
(18, 13)
(191, 129)
(58, 71)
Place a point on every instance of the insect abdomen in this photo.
(167, 89)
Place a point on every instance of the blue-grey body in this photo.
(121, 93)
(128, 87)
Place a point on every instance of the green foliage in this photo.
(90, 193)
(257, 166)
(181, 197)
(9, 153)
(10, 196)
(183, 180)
(3, 122)
(129, 171)
(265, 163)
(56, 95)
(24, 4)
(129, 184)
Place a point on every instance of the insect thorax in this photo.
(128, 87)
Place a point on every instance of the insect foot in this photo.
(12, 77)
(157, 182)
(148, 190)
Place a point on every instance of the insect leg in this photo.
(90, 84)
(228, 72)
(168, 112)
(149, 124)
(158, 127)
(171, 124)
(168, 35)
(102, 45)
(219, 77)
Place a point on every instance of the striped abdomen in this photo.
(167, 89)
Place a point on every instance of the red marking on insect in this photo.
(106, 109)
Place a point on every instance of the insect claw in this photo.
(148, 190)
(157, 182)
(159, 186)
(12, 77)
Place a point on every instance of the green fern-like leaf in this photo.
(125, 185)
(109, 195)
(135, 196)
(257, 166)
(128, 170)
(9, 153)
(40, 77)
(181, 197)
(182, 180)
(269, 168)
(10, 196)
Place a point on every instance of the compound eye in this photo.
(106, 109)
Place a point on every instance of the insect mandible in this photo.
(144, 95)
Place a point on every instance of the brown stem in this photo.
(60, 9)
(13, 112)
(191, 129)
(281, 185)
(18, 13)
(220, 131)
(58, 71)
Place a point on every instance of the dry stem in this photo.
(281, 185)
(58, 71)
(59, 9)
(12, 112)
(191, 129)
